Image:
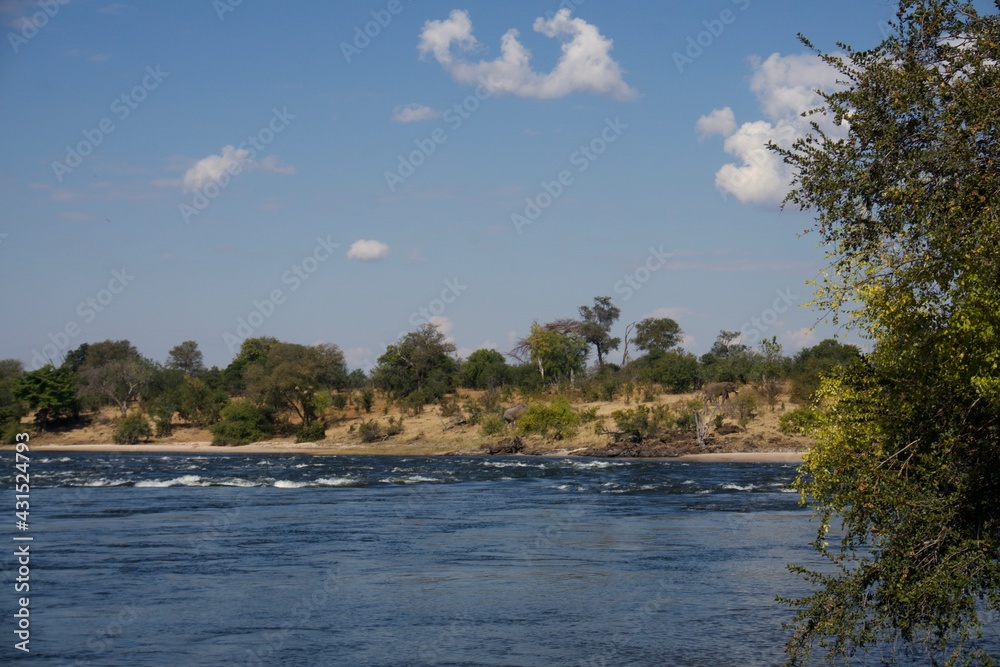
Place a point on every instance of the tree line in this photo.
(275, 387)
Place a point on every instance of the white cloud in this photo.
(413, 113)
(585, 64)
(368, 250)
(232, 160)
(358, 357)
(720, 121)
(785, 87)
(799, 338)
(444, 325)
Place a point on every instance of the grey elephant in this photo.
(511, 414)
(720, 390)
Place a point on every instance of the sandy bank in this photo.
(378, 450)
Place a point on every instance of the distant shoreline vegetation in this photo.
(273, 388)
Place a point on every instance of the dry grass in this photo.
(431, 433)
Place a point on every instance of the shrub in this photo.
(339, 401)
(9, 432)
(372, 431)
(132, 429)
(314, 432)
(557, 420)
(801, 420)
(240, 423)
(492, 425)
(365, 400)
(641, 422)
(449, 407)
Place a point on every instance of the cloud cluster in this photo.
(366, 250)
(585, 64)
(785, 87)
(231, 160)
(412, 113)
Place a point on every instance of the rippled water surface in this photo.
(164, 560)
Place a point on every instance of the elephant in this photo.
(719, 390)
(510, 415)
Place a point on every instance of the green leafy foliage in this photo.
(420, 365)
(642, 422)
(810, 364)
(484, 369)
(596, 324)
(132, 429)
(907, 203)
(804, 420)
(312, 432)
(51, 392)
(241, 422)
(491, 425)
(556, 420)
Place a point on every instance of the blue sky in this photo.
(170, 169)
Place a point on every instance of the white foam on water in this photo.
(737, 487)
(337, 481)
(596, 465)
(410, 479)
(289, 484)
(106, 482)
(184, 480)
(688, 482)
(64, 459)
(245, 483)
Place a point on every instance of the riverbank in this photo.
(327, 449)
(432, 432)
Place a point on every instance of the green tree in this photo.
(11, 407)
(811, 363)
(596, 326)
(118, 382)
(420, 365)
(657, 334)
(558, 356)
(51, 392)
(483, 369)
(290, 377)
(729, 360)
(186, 357)
(907, 199)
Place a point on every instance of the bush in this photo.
(339, 401)
(641, 423)
(557, 420)
(314, 432)
(492, 425)
(241, 423)
(801, 420)
(10, 431)
(372, 431)
(366, 400)
(132, 429)
(449, 407)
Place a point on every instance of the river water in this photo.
(164, 560)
